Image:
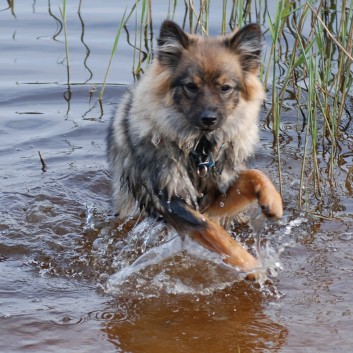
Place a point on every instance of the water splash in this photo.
(151, 257)
(154, 260)
(90, 218)
(168, 263)
(266, 249)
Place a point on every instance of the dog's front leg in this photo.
(251, 185)
(215, 238)
(210, 234)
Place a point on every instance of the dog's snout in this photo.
(208, 118)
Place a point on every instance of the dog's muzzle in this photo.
(209, 120)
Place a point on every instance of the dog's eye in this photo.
(190, 86)
(226, 88)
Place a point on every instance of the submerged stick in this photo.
(44, 166)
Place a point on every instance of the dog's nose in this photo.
(208, 118)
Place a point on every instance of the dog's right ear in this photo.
(171, 42)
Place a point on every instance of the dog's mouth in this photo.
(209, 129)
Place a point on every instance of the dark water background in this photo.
(72, 279)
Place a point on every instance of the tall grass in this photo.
(326, 86)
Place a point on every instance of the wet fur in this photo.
(158, 138)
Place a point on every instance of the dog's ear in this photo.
(247, 43)
(171, 42)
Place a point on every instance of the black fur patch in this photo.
(180, 216)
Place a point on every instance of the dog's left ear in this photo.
(247, 43)
(171, 42)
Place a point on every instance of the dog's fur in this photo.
(178, 142)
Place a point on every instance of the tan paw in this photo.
(271, 202)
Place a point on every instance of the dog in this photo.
(178, 143)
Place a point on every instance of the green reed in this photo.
(276, 28)
(143, 28)
(171, 12)
(63, 17)
(115, 46)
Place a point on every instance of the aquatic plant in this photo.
(63, 17)
(115, 46)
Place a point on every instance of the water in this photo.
(73, 279)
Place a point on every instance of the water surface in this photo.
(75, 280)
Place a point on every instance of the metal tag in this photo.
(202, 170)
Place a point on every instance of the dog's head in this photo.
(210, 76)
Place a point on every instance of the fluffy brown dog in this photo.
(179, 140)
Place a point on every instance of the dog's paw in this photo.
(270, 202)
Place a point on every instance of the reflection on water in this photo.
(73, 279)
(232, 320)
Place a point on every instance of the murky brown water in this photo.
(73, 280)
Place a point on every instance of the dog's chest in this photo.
(211, 170)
